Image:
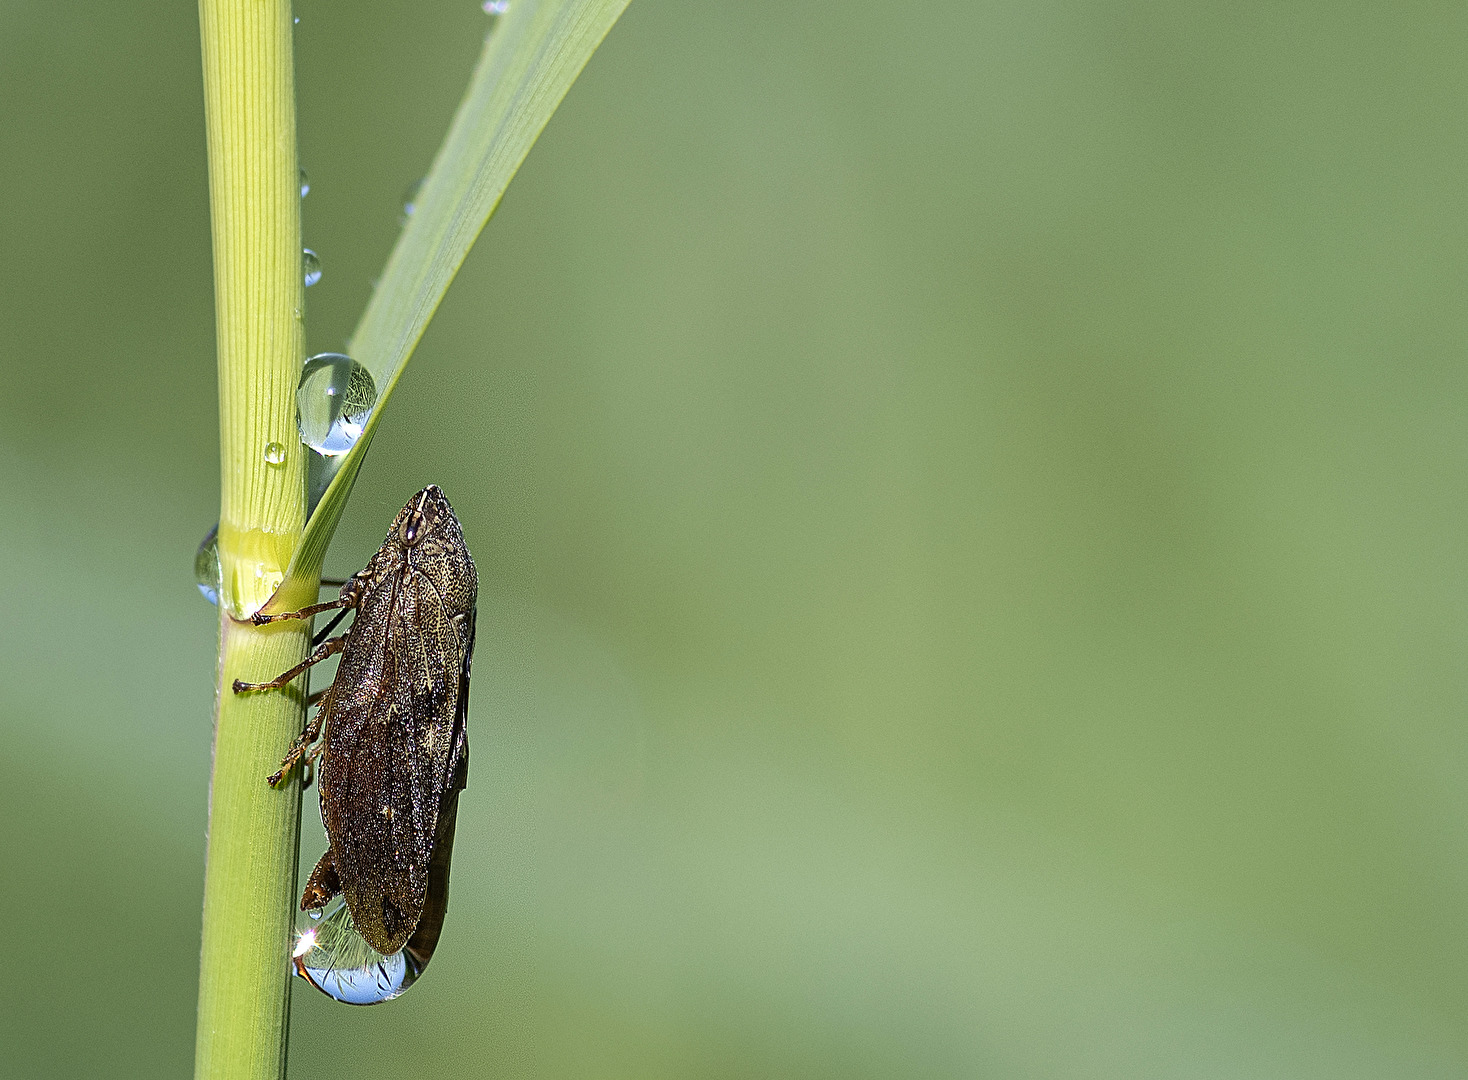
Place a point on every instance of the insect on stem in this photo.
(394, 746)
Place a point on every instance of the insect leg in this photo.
(323, 883)
(325, 649)
(299, 749)
(261, 618)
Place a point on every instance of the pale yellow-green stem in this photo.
(244, 970)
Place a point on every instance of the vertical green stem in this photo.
(244, 973)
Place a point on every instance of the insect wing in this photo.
(397, 748)
(421, 945)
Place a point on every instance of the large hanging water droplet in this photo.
(337, 960)
(333, 402)
(312, 266)
(305, 183)
(334, 958)
(274, 453)
(207, 571)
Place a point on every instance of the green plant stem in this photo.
(244, 971)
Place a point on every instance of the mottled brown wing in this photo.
(430, 923)
(393, 754)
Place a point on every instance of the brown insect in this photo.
(393, 744)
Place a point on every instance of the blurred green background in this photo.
(969, 505)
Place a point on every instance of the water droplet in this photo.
(332, 957)
(337, 960)
(312, 265)
(206, 566)
(296, 21)
(410, 200)
(314, 914)
(274, 453)
(305, 183)
(496, 7)
(333, 402)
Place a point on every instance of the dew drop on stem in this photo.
(207, 572)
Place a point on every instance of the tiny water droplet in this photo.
(333, 401)
(297, 313)
(312, 265)
(334, 958)
(496, 7)
(274, 453)
(207, 572)
(305, 183)
(410, 200)
(297, 20)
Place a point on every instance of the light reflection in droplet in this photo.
(307, 941)
(311, 264)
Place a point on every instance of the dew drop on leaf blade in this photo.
(410, 200)
(333, 402)
(274, 453)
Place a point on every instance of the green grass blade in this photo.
(529, 62)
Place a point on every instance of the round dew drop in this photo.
(274, 453)
(410, 200)
(311, 263)
(333, 401)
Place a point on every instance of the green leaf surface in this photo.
(530, 59)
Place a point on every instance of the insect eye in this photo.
(412, 528)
